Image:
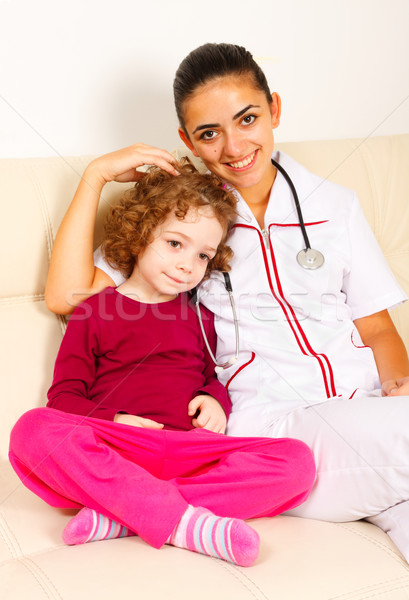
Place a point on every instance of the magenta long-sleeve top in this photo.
(150, 360)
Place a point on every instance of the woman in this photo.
(318, 350)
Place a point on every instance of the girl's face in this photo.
(229, 125)
(176, 259)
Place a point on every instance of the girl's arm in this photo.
(75, 373)
(72, 276)
(211, 406)
(379, 333)
(75, 368)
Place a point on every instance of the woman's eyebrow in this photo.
(244, 110)
(236, 116)
(206, 126)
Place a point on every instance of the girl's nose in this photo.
(186, 265)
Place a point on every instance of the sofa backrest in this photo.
(35, 194)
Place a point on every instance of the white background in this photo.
(90, 76)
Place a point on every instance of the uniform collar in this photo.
(280, 206)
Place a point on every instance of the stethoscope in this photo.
(195, 300)
(307, 258)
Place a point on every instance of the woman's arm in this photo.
(72, 276)
(72, 265)
(379, 333)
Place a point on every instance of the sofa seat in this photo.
(299, 559)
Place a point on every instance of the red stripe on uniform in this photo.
(253, 356)
(297, 224)
(310, 349)
(284, 306)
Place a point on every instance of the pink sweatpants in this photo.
(146, 478)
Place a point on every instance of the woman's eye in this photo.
(208, 135)
(174, 244)
(249, 119)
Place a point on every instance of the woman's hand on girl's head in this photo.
(135, 421)
(207, 413)
(121, 165)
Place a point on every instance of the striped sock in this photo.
(201, 531)
(90, 526)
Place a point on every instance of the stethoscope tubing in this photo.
(296, 202)
(308, 258)
(228, 286)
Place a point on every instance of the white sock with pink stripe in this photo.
(201, 531)
(91, 526)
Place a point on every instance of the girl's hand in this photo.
(122, 164)
(211, 414)
(396, 387)
(135, 421)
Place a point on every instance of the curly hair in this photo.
(130, 224)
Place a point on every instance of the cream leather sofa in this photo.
(300, 559)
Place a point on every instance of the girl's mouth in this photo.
(176, 280)
(245, 163)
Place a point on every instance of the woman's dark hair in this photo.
(213, 61)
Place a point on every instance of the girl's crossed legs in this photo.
(145, 479)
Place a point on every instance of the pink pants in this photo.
(146, 478)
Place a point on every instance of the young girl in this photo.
(319, 352)
(132, 427)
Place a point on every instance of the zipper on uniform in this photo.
(266, 237)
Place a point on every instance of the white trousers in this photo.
(361, 449)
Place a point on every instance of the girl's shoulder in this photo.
(94, 305)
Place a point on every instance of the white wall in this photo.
(89, 76)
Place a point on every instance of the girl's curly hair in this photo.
(130, 223)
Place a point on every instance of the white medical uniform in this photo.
(303, 370)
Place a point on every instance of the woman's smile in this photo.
(245, 163)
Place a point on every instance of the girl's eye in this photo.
(174, 244)
(249, 119)
(208, 135)
(204, 256)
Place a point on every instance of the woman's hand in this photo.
(72, 276)
(121, 165)
(135, 421)
(211, 414)
(379, 333)
(396, 387)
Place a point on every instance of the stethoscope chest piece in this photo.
(310, 259)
